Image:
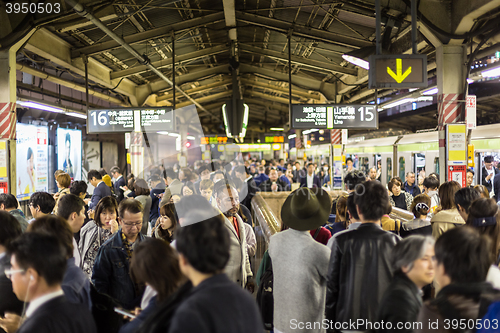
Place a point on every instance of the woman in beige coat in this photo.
(447, 215)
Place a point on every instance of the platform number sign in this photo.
(113, 120)
(334, 116)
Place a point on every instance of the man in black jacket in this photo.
(38, 265)
(273, 184)
(119, 182)
(488, 173)
(360, 270)
(249, 188)
(215, 304)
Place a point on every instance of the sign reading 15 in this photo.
(99, 118)
(367, 115)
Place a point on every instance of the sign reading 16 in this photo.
(100, 118)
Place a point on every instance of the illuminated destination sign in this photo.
(334, 116)
(206, 140)
(113, 120)
(157, 119)
(123, 119)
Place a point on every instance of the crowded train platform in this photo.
(255, 166)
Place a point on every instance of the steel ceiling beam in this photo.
(302, 30)
(322, 65)
(206, 99)
(168, 63)
(150, 34)
(198, 90)
(295, 92)
(327, 89)
(55, 79)
(194, 75)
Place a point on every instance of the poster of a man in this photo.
(69, 152)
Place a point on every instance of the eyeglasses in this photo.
(9, 272)
(132, 224)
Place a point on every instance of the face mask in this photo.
(325, 168)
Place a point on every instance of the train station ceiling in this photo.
(206, 37)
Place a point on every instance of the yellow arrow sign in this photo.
(399, 76)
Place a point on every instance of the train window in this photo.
(436, 165)
(402, 167)
(389, 169)
(364, 164)
(419, 162)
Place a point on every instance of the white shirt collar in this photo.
(2, 255)
(35, 304)
(119, 177)
(102, 181)
(310, 180)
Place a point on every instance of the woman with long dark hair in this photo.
(167, 223)
(96, 232)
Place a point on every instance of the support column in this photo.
(8, 116)
(451, 79)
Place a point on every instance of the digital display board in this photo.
(334, 116)
(69, 152)
(112, 120)
(157, 119)
(32, 165)
(398, 71)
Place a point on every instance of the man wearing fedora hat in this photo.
(300, 263)
(360, 269)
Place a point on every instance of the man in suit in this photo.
(9, 230)
(238, 269)
(249, 188)
(119, 182)
(101, 190)
(215, 304)
(38, 265)
(274, 184)
(488, 173)
(261, 177)
(310, 180)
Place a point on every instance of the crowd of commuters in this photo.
(173, 252)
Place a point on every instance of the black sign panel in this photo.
(112, 120)
(334, 116)
(157, 119)
(398, 71)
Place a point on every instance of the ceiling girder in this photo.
(295, 92)
(150, 34)
(168, 62)
(323, 65)
(302, 30)
(327, 89)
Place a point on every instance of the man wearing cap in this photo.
(300, 263)
(360, 269)
(488, 173)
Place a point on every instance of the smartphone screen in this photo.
(124, 312)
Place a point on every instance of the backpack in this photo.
(103, 312)
(265, 298)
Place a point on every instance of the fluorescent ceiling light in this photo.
(77, 115)
(356, 61)
(424, 99)
(491, 72)
(310, 131)
(174, 134)
(162, 132)
(469, 81)
(276, 129)
(292, 136)
(432, 91)
(39, 106)
(190, 137)
(401, 101)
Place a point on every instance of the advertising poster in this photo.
(69, 152)
(31, 159)
(91, 157)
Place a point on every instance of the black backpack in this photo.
(265, 298)
(103, 311)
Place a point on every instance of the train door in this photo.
(404, 165)
(364, 162)
(385, 170)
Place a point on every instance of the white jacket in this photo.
(238, 267)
